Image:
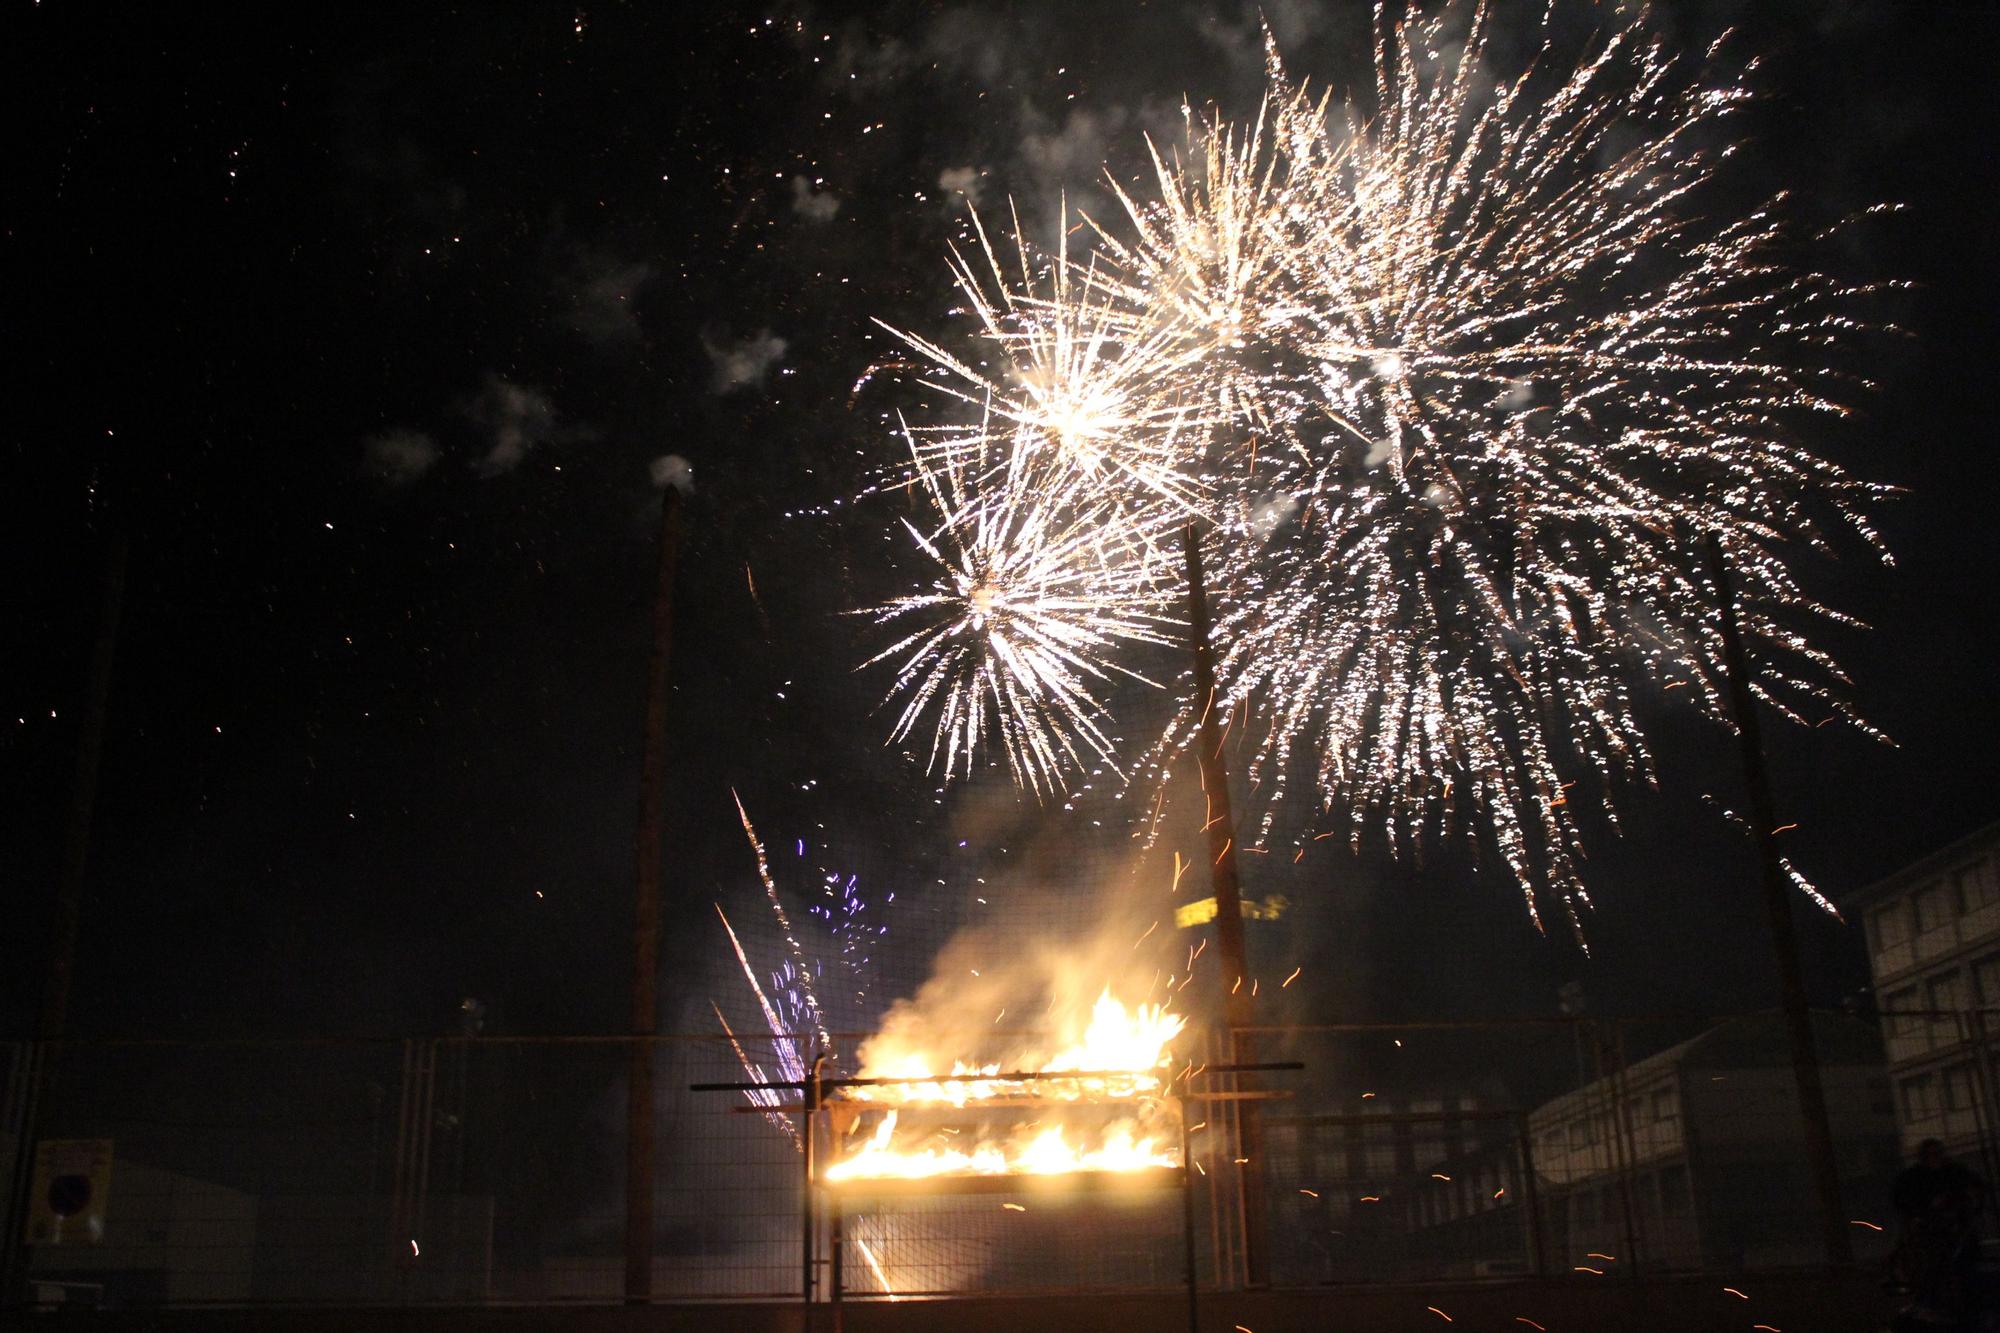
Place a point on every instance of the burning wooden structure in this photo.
(1054, 1134)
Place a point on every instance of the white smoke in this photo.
(812, 202)
(672, 470)
(741, 364)
(399, 455)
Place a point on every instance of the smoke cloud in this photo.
(811, 202)
(739, 365)
(399, 456)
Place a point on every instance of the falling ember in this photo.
(1112, 1116)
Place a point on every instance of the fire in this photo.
(1047, 1153)
(1117, 1060)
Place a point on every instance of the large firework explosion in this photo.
(1457, 385)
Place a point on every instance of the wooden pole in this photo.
(52, 1022)
(639, 1126)
(83, 795)
(1784, 935)
(1231, 955)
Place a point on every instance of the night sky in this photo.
(366, 332)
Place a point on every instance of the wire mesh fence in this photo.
(492, 1170)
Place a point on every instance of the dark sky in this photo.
(366, 332)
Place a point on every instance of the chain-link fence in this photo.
(492, 1170)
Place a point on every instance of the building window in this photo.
(1986, 980)
(1947, 995)
(1897, 1007)
(1892, 926)
(1673, 1190)
(1961, 1089)
(1933, 904)
(1976, 888)
(1920, 1101)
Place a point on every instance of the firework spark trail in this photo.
(800, 970)
(1034, 585)
(1458, 382)
(764, 1097)
(784, 1042)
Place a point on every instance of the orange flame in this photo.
(1118, 1059)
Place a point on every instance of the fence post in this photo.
(1621, 1126)
(1531, 1197)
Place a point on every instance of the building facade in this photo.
(1933, 932)
(1694, 1157)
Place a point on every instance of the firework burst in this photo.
(1035, 584)
(1475, 375)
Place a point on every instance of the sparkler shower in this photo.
(1455, 384)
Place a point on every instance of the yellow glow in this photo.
(1203, 911)
(1122, 1050)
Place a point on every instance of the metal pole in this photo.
(1187, 1220)
(1627, 1152)
(1971, 1030)
(639, 1128)
(810, 1102)
(1784, 936)
(837, 1242)
(1231, 954)
(1531, 1199)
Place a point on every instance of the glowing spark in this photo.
(875, 1267)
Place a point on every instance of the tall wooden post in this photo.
(53, 1020)
(83, 795)
(1231, 956)
(646, 920)
(1784, 935)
